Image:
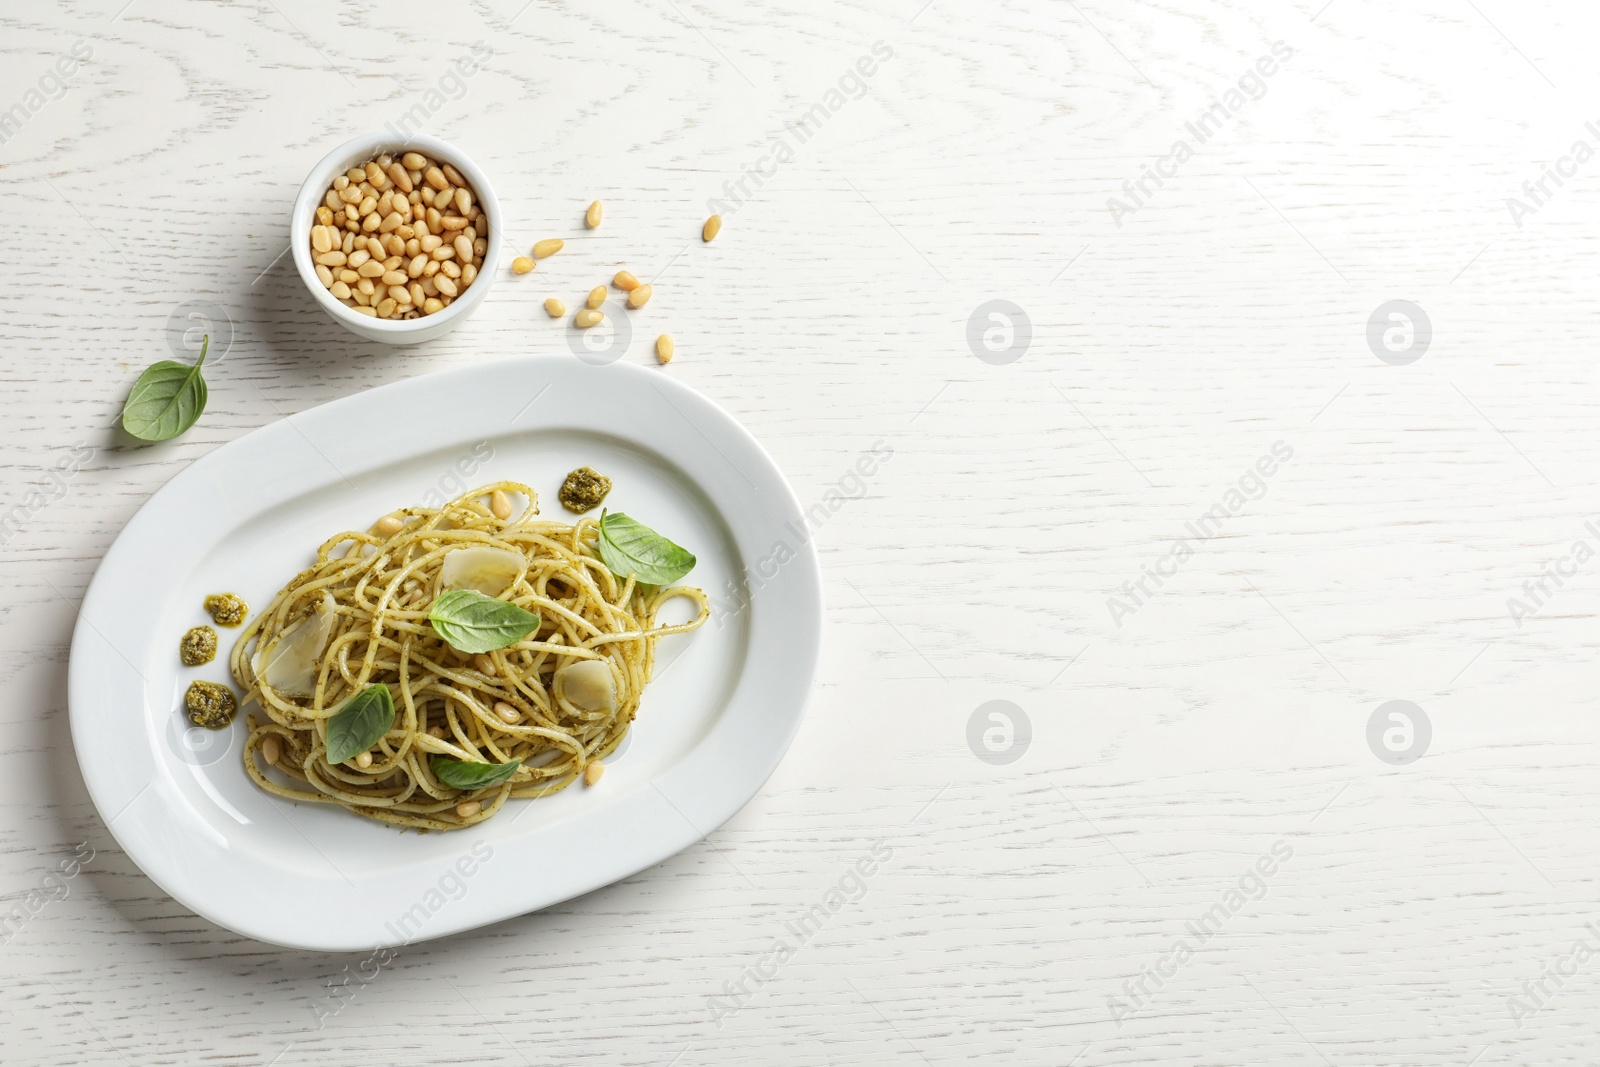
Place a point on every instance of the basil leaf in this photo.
(167, 399)
(360, 723)
(472, 622)
(630, 547)
(458, 774)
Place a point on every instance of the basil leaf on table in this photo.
(167, 399)
(358, 725)
(630, 547)
(459, 774)
(472, 622)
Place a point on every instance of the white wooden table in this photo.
(1194, 853)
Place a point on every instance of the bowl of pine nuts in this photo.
(397, 242)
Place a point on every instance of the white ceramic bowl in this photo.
(360, 150)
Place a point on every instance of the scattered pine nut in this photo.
(591, 218)
(592, 773)
(639, 297)
(588, 317)
(484, 664)
(364, 760)
(664, 349)
(548, 247)
(388, 526)
(625, 281)
(436, 731)
(555, 308)
(272, 749)
(500, 504)
(468, 808)
(522, 264)
(507, 712)
(597, 296)
(712, 227)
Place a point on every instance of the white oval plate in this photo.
(712, 727)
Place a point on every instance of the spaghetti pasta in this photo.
(359, 616)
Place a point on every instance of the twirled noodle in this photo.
(382, 588)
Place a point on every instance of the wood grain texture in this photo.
(1168, 753)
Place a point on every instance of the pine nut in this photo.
(554, 308)
(507, 712)
(364, 760)
(639, 297)
(340, 290)
(522, 265)
(500, 504)
(484, 664)
(591, 218)
(625, 281)
(381, 224)
(272, 749)
(548, 247)
(468, 808)
(436, 731)
(712, 227)
(388, 526)
(597, 296)
(664, 349)
(592, 773)
(588, 317)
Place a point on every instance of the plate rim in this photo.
(89, 646)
